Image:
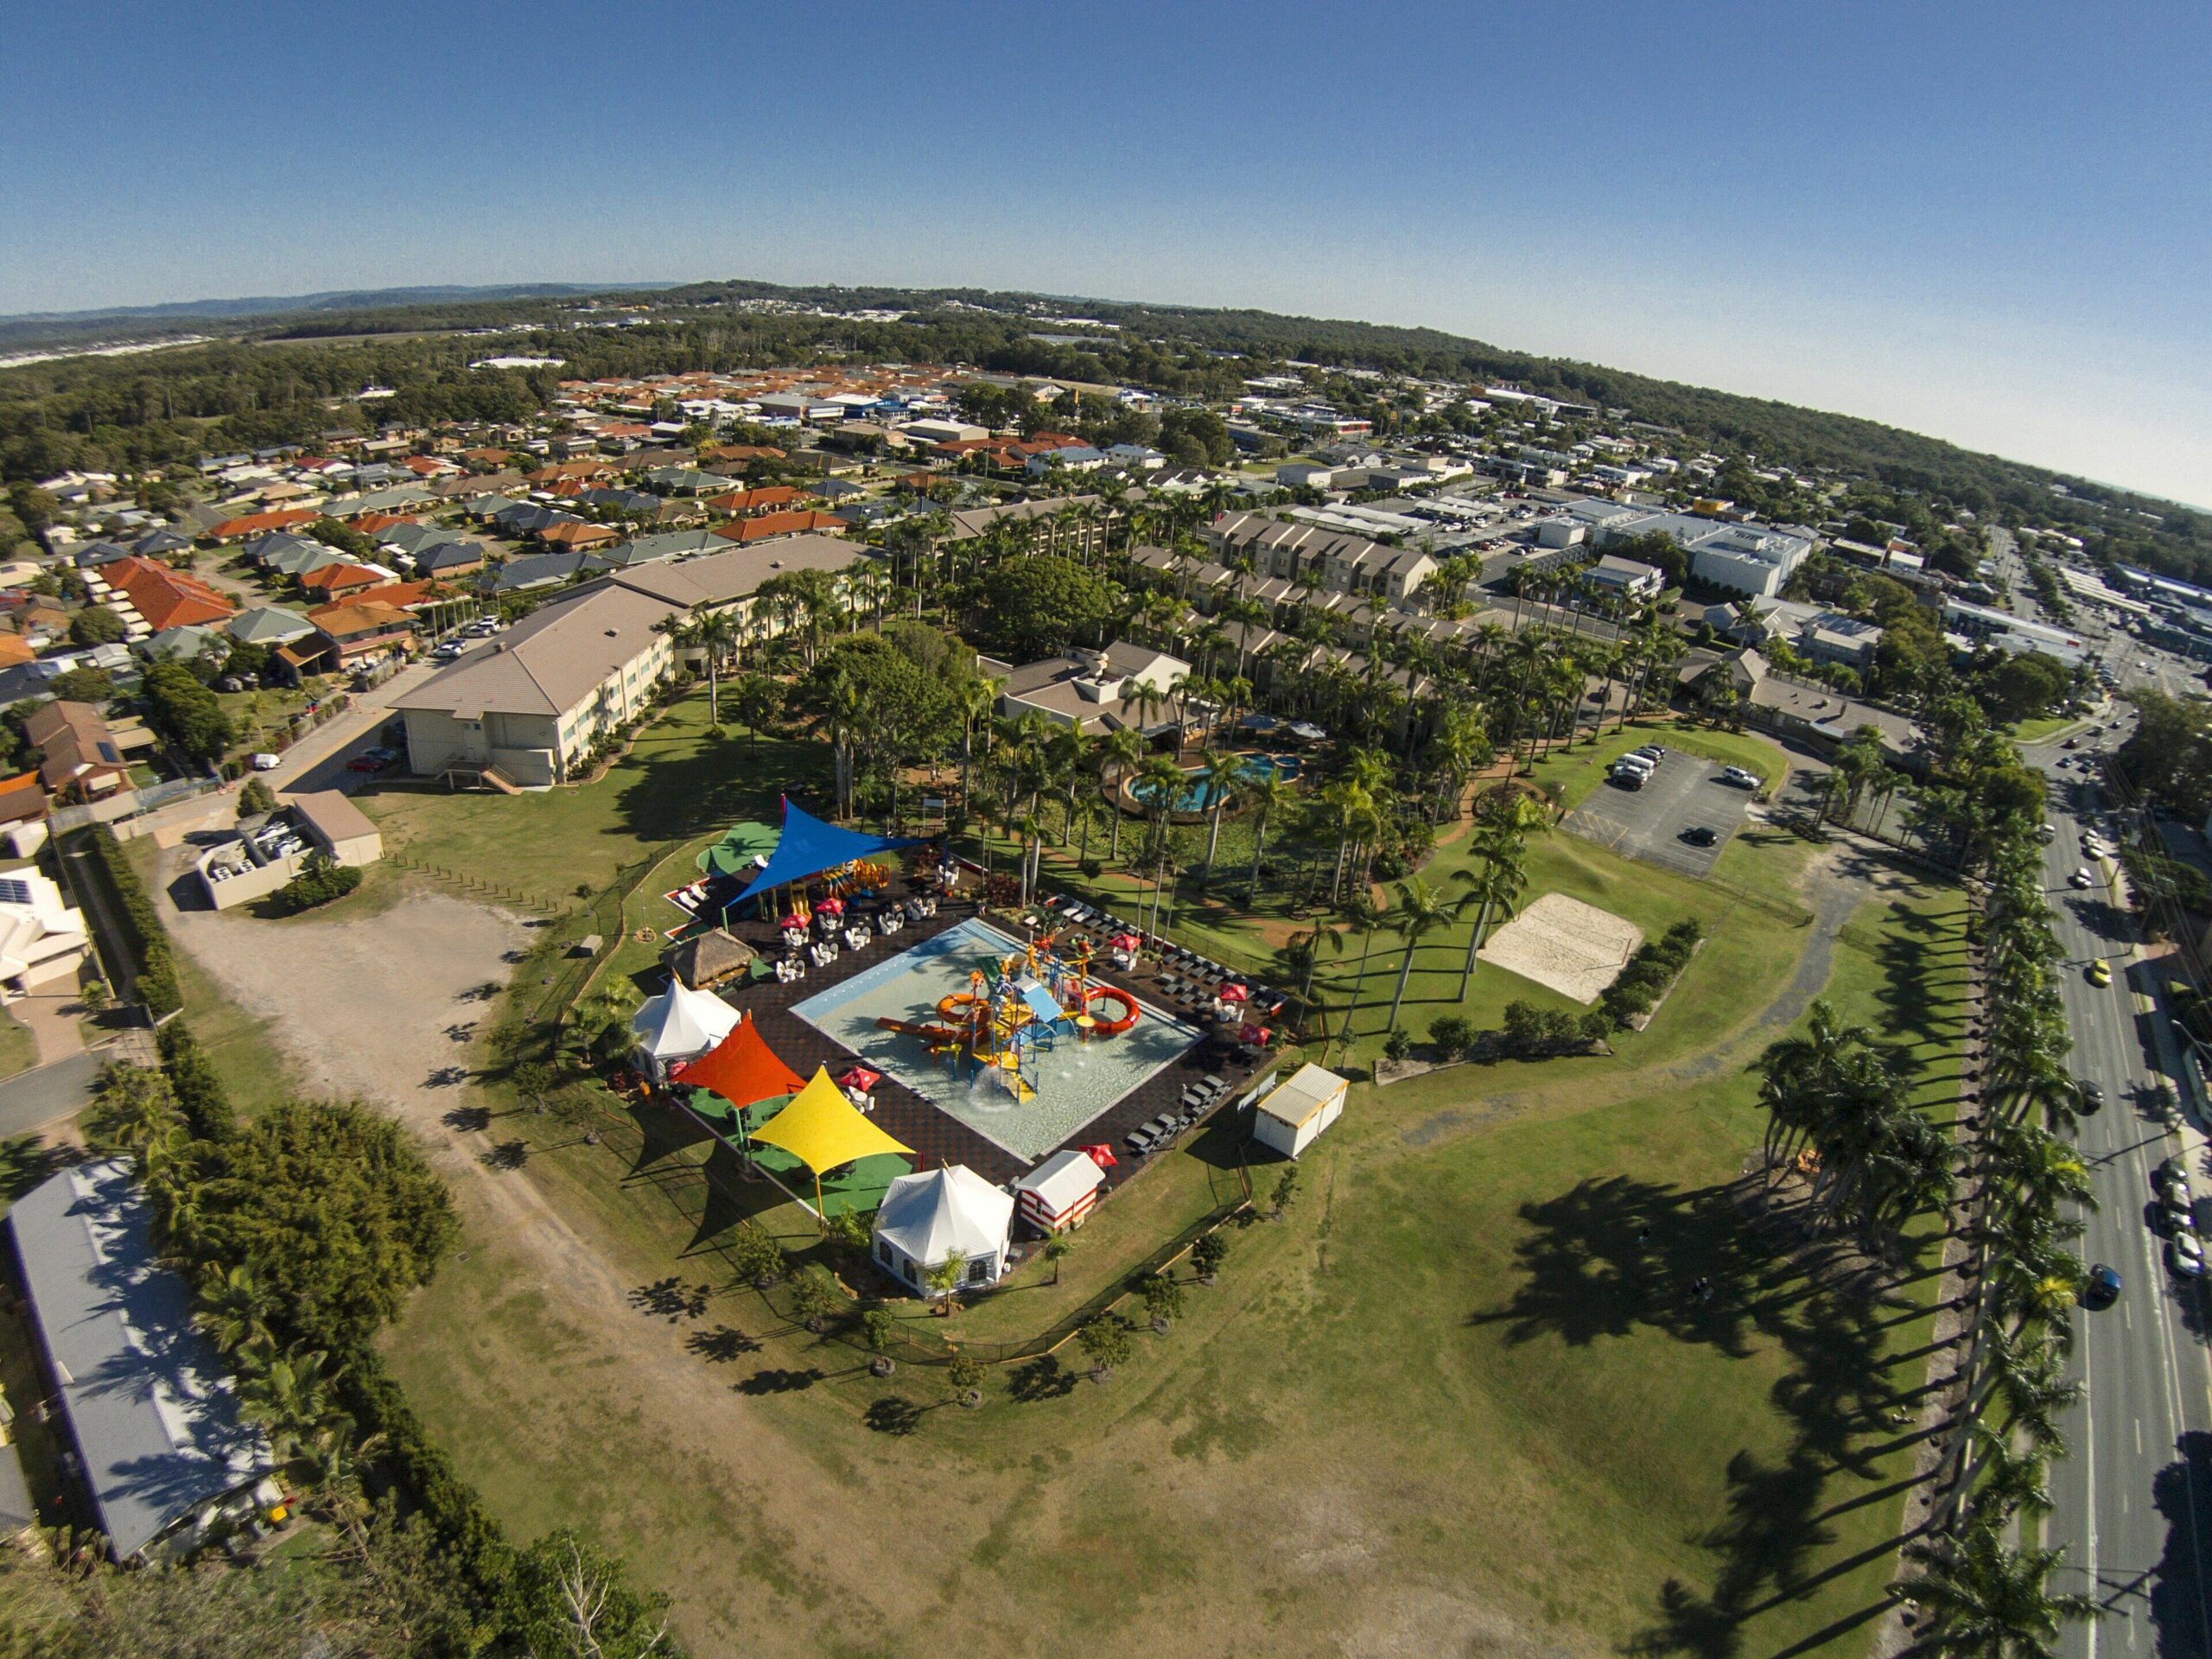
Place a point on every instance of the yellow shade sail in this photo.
(823, 1130)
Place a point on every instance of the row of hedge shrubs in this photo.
(1636, 990)
(407, 1461)
(143, 931)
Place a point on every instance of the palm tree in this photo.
(1363, 916)
(1159, 782)
(1349, 810)
(973, 699)
(1987, 1601)
(292, 1393)
(1267, 794)
(1420, 911)
(1122, 752)
(1223, 777)
(233, 1309)
(1496, 887)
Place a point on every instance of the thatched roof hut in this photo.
(707, 958)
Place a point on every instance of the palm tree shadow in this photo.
(1610, 1257)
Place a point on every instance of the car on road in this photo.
(1651, 752)
(2100, 973)
(1628, 777)
(2048, 834)
(2080, 879)
(2091, 1094)
(2101, 1289)
(2186, 1256)
(1739, 776)
(264, 762)
(1701, 834)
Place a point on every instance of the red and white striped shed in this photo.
(1060, 1192)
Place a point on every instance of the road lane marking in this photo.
(2139, 1436)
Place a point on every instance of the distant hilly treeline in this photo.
(272, 377)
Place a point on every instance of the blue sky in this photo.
(1991, 223)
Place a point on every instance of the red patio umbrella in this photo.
(1235, 993)
(1101, 1155)
(1257, 1034)
(860, 1077)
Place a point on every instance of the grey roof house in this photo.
(144, 1399)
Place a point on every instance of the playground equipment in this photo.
(1017, 1008)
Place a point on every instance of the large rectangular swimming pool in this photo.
(1076, 1082)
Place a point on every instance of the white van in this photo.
(1642, 764)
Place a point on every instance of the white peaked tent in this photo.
(679, 1025)
(925, 1218)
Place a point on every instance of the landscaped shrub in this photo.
(1533, 1033)
(322, 881)
(1638, 987)
(1451, 1033)
(756, 1256)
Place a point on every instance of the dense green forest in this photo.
(274, 379)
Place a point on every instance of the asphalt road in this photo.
(2134, 1498)
(31, 1100)
(1647, 823)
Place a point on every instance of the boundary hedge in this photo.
(154, 984)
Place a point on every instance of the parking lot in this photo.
(1647, 823)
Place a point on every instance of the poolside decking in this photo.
(936, 1135)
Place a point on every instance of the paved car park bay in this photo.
(1647, 823)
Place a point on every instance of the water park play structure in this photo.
(1016, 1009)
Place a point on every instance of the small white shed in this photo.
(1060, 1192)
(1297, 1110)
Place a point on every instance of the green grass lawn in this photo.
(19, 1047)
(2034, 731)
(1455, 1366)
(673, 786)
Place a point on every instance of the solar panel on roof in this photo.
(14, 890)
(108, 753)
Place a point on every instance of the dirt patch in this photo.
(1565, 945)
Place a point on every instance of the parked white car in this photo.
(264, 762)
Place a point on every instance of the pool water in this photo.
(1076, 1082)
(1199, 798)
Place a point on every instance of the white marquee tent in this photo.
(925, 1217)
(679, 1024)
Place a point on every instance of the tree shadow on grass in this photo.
(895, 1414)
(671, 1299)
(776, 1380)
(721, 1345)
(1043, 1378)
(1610, 1257)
